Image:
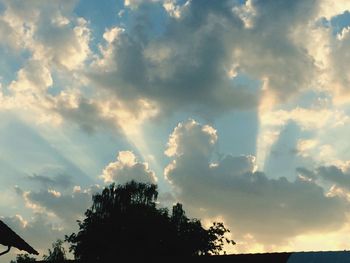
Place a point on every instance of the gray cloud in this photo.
(60, 180)
(272, 210)
(54, 214)
(67, 206)
(179, 62)
(269, 51)
(86, 114)
(330, 174)
(335, 175)
(182, 69)
(185, 67)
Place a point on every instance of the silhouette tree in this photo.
(57, 254)
(124, 221)
(23, 258)
(193, 239)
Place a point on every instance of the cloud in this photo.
(272, 211)
(127, 168)
(306, 118)
(327, 43)
(316, 122)
(340, 54)
(49, 30)
(56, 46)
(184, 68)
(190, 135)
(187, 60)
(49, 214)
(191, 62)
(304, 146)
(86, 113)
(278, 60)
(60, 180)
(338, 176)
(68, 206)
(335, 175)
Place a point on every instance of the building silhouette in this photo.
(9, 239)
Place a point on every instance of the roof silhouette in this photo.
(10, 239)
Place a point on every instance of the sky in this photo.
(237, 109)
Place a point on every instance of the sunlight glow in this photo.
(267, 134)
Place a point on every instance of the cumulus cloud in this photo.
(49, 30)
(57, 44)
(183, 68)
(327, 43)
(190, 135)
(190, 63)
(127, 168)
(269, 210)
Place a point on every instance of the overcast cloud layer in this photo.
(237, 109)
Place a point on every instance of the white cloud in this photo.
(318, 119)
(307, 118)
(35, 77)
(127, 168)
(246, 12)
(57, 46)
(48, 30)
(189, 135)
(135, 3)
(329, 8)
(305, 146)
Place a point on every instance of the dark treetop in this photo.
(125, 221)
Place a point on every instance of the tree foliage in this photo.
(124, 220)
(57, 254)
(23, 258)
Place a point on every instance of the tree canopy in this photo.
(124, 221)
(57, 254)
(23, 258)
